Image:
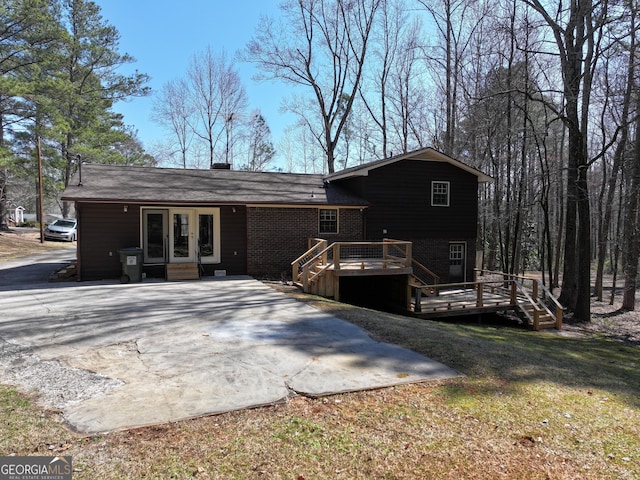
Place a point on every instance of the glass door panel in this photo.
(155, 236)
(457, 262)
(206, 236)
(182, 241)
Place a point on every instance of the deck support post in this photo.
(305, 279)
(418, 305)
(479, 295)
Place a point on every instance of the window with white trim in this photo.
(439, 194)
(328, 218)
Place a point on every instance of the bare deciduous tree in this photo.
(576, 29)
(218, 98)
(321, 45)
(173, 109)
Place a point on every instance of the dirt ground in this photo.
(613, 322)
(22, 242)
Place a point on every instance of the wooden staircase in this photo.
(182, 271)
(537, 315)
(533, 302)
(319, 270)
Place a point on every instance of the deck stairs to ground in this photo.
(182, 271)
(319, 269)
(537, 313)
(534, 303)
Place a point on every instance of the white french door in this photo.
(155, 235)
(181, 235)
(182, 239)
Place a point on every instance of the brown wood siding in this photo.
(400, 196)
(102, 230)
(105, 228)
(233, 241)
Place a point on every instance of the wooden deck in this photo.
(370, 267)
(460, 301)
(320, 269)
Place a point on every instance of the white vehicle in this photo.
(62, 229)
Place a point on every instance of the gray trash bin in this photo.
(131, 259)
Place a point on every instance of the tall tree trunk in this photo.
(578, 55)
(618, 157)
(631, 225)
(616, 248)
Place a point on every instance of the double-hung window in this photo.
(440, 194)
(328, 220)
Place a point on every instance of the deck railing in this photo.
(532, 290)
(315, 246)
(452, 302)
(421, 274)
(349, 255)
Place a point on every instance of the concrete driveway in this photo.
(113, 356)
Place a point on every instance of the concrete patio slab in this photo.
(114, 356)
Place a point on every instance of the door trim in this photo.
(190, 235)
(464, 261)
(165, 235)
(194, 214)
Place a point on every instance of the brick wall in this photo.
(433, 253)
(277, 236)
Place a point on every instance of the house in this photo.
(257, 223)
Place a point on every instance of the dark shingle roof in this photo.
(427, 154)
(110, 183)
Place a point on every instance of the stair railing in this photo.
(395, 244)
(316, 246)
(321, 256)
(539, 294)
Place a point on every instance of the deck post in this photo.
(513, 292)
(535, 290)
(336, 256)
(479, 295)
(305, 279)
(558, 318)
(418, 305)
(408, 254)
(324, 244)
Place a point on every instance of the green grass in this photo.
(529, 406)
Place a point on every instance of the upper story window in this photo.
(440, 194)
(328, 220)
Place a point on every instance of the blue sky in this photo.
(162, 36)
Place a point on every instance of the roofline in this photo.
(363, 171)
(146, 202)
